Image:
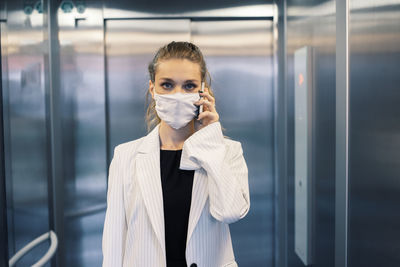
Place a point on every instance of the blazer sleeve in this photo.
(114, 231)
(226, 170)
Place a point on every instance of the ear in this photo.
(151, 88)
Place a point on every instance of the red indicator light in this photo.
(301, 78)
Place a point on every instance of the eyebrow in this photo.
(169, 79)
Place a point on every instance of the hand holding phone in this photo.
(210, 114)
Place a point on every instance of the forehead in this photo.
(178, 69)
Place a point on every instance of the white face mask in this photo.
(177, 110)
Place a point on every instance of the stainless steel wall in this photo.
(25, 137)
(314, 25)
(374, 165)
(53, 75)
(82, 90)
(3, 198)
(370, 236)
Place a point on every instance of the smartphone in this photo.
(200, 108)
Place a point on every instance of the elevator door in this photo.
(239, 57)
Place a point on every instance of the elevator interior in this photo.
(74, 78)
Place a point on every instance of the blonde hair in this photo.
(174, 50)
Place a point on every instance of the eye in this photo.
(190, 86)
(166, 85)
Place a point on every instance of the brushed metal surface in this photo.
(82, 89)
(374, 165)
(342, 135)
(179, 9)
(314, 24)
(24, 127)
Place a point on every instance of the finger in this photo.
(205, 114)
(207, 95)
(208, 116)
(207, 104)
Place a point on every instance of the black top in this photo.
(177, 195)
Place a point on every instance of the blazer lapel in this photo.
(199, 197)
(149, 177)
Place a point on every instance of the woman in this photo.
(172, 193)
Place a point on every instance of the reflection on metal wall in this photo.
(374, 54)
(84, 132)
(80, 73)
(240, 60)
(374, 166)
(314, 25)
(23, 105)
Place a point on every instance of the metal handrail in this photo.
(49, 254)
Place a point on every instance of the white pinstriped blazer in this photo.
(133, 232)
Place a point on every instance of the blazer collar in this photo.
(151, 141)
